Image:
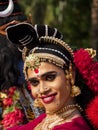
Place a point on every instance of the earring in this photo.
(75, 90)
(38, 104)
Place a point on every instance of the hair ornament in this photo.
(33, 62)
(53, 50)
(46, 30)
(87, 67)
(54, 40)
(34, 59)
(92, 112)
(55, 32)
(91, 52)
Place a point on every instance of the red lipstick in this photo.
(48, 98)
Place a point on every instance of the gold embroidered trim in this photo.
(56, 41)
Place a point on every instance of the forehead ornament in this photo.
(33, 62)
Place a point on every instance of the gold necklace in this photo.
(57, 118)
(66, 108)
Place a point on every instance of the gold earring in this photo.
(75, 90)
(38, 104)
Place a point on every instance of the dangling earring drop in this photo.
(37, 103)
(75, 90)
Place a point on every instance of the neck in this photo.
(66, 114)
(65, 109)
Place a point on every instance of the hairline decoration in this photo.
(33, 60)
(54, 40)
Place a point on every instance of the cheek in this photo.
(34, 92)
(64, 87)
(65, 90)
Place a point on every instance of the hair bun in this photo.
(45, 30)
(26, 35)
(23, 35)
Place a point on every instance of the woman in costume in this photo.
(60, 79)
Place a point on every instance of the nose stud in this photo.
(45, 88)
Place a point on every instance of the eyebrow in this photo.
(43, 75)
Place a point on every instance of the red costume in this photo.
(76, 124)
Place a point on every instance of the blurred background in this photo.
(76, 19)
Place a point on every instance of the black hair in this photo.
(85, 97)
(9, 56)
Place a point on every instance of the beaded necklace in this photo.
(58, 117)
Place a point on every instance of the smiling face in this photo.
(50, 86)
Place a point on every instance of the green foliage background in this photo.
(71, 17)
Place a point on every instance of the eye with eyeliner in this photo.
(34, 81)
(50, 76)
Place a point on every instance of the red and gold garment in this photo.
(76, 124)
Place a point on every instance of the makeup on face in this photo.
(49, 86)
(47, 76)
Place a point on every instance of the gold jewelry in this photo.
(30, 114)
(34, 60)
(75, 90)
(91, 52)
(57, 118)
(56, 41)
(37, 103)
(66, 108)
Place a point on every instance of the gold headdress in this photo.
(48, 53)
(44, 44)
